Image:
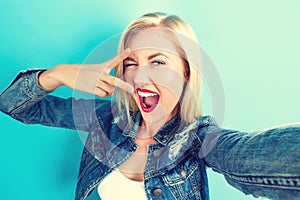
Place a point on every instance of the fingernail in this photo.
(130, 89)
(126, 50)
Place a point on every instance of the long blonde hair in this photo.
(188, 49)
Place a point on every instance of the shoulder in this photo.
(206, 125)
(204, 121)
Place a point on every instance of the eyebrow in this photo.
(129, 59)
(156, 54)
(149, 57)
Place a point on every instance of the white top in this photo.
(115, 186)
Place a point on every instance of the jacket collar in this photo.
(164, 134)
(167, 132)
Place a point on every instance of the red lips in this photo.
(148, 99)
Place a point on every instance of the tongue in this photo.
(150, 101)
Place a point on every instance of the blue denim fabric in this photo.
(262, 163)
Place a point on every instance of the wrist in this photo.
(47, 81)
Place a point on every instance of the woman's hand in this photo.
(91, 78)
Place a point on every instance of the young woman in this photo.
(152, 142)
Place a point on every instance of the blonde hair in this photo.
(188, 49)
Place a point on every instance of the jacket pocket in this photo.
(184, 179)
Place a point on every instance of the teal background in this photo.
(254, 45)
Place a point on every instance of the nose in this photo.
(141, 76)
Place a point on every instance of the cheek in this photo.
(168, 101)
(171, 95)
(171, 81)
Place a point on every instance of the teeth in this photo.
(146, 94)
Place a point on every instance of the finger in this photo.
(117, 60)
(106, 87)
(117, 82)
(101, 93)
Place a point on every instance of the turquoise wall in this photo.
(254, 45)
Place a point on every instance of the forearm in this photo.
(62, 74)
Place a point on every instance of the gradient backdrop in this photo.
(254, 45)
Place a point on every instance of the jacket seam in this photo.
(270, 181)
(289, 182)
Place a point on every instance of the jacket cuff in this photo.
(31, 85)
(23, 90)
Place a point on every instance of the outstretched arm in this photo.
(263, 163)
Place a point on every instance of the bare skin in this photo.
(134, 167)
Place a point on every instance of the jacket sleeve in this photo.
(27, 102)
(263, 163)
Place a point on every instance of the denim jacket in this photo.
(262, 163)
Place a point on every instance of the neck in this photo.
(148, 129)
(151, 123)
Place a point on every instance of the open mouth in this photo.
(148, 99)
